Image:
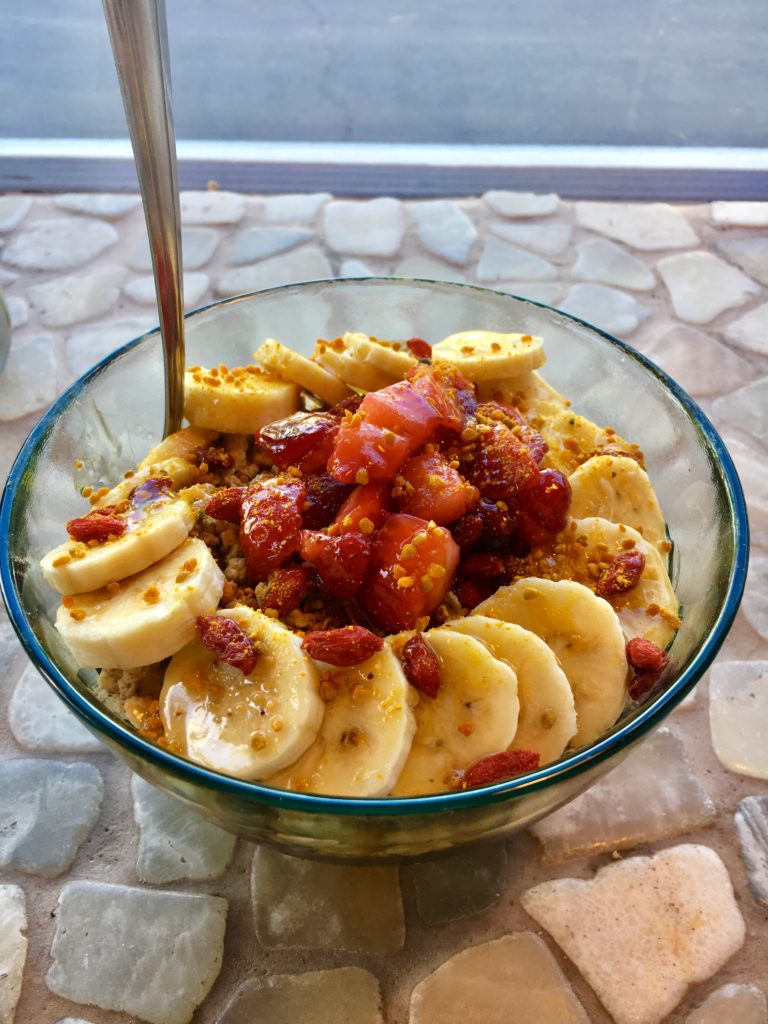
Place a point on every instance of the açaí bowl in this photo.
(112, 416)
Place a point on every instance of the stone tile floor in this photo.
(117, 905)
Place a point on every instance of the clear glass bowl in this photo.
(112, 416)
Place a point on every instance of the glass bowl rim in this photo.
(566, 768)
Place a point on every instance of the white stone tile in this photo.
(522, 204)
(545, 239)
(746, 409)
(326, 906)
(7, 276)
(254, 244)
(445, 229)
(502, 262)
(641, 225)
(98, 204)
(151, 954)
(347, 995)
(460, 886)
(13, 949)
(702, 286)
(305, 264)
(142, 289)
(89, 345)
(750, 331)
(174, 841)
(59, 244)
(47, 808)
(13, 210)
(612, 310)
(41, 721)
(197, 246)
(755, 600)
(740, 214)
(354, 268)
(433, 270)
(18, 310)
(617, 813)
(11, 650)
(644, 928)
(738, 715)
(72, 1020)
(750, 253)
(732, 1004)
(697, 362)
(602, 260)
(752, 830)
(294, 209)
(211, 207)
(514, 978)
(372, 227)
(28, 382)
(549, 292)
(64, 301)
(750, 464)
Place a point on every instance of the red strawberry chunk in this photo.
(288, 588)
(325, 496)
(450, 395)
(226, 504)
(270, 530)
(411, 570)
(365, 451)
(503, 465)
(419, 348)
(545, 501)
(368, 504)
(304, 440)
(432, 489)
(340, 562)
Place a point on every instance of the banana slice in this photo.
(153, 531)
(485, 355)
(366, 734)
(237, 401)
(530, 393)
(286, 364)
(247, 726)
(146, 617)
(584, 633)
(650, 609)
(616, 488)
(394, 362)
(338, 359)
(547, 714)
(474, 714)
(573, 439)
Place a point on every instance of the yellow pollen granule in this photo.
(151, 595)
(362, 477)
(405, 582)
(366, 525)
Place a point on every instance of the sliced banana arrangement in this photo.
(237, 401)
(366, 734)
(486, 355)
(338, 358)
(573, 439)
(287, 365)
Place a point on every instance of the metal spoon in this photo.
(139, 36)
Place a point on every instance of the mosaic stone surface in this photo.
(738, 715)
(13, 949)
(752, 829)
(347, 995)
(732, 1004)
(456, 887)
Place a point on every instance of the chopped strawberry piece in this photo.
(471, 592)
(545, 501)
(98, 525)
(432, 489)
(419, 348)
(340, 562)
(226, 639)
(304, 440)
(483, 565)
(503, 465)
(367, 504)
(411, 570)
(421, 665)
(442, 387)
(270, 530)
(288, 588)
(150, 490)
(468, 530)
(497, 767)
(351, 645)
(226, 504)
(622, 574)
(513, 418)
(365, 450)
(325, 496)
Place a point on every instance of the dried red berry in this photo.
(344, 647)
(503, 465)
(419, 348)
(545, 502)
(288, 588)
(468, 530)
(622, 574)
(98, 525)
(270, 530)
(497, 767)
(325, 496)
(644, 655)
(471, 592)
(226, 639)
(214, 458)
(304, 440)
(150, 490)
(484, 566)
(226, 504)
(341, 562)
(421, 665)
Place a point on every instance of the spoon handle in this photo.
(139, 36)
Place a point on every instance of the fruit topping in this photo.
(621, 575)
(288, 588)
(99, 525)
(429, 487)
(419, 348)
(226, 504)
(421, 665)
(270, 530)
(502, 466)
(325, 496)
(344, 647)
(498, 767)
(304, 440)
(227, 640)
(340, 562)
(365, 509)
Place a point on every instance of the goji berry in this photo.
(97, 525)
(288, 588)
(644, 655)
(344, 647)
(419, 348)
(421, 665)
(226, 504)
(497, 767)
(304, 440)
(642, 682)
(227, 640)
(622, 574)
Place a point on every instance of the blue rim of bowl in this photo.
(636, 726)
